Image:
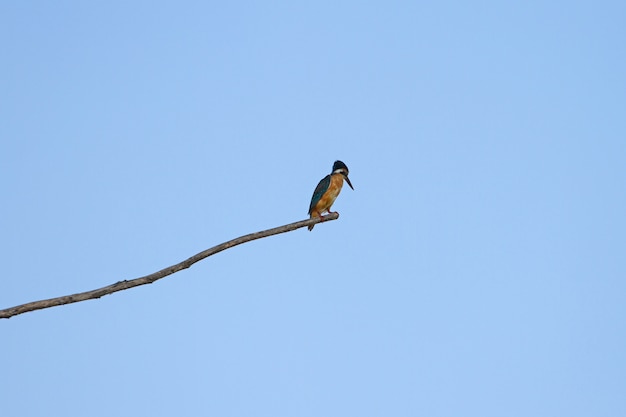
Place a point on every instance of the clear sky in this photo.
(478, 269)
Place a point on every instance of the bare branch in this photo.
(149, 279)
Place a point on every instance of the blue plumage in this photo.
(319, 191)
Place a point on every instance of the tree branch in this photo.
(149, 279)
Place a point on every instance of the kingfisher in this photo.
(327, 190)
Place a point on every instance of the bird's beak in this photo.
(348, 181)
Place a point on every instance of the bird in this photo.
(327, 190)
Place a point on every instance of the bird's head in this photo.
(341, 168)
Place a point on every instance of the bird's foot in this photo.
(328, 214)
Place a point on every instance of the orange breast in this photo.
(329, 197)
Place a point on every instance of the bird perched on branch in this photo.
(327, 190)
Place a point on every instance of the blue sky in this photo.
(476, 270)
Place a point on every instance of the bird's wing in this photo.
(319, 191)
